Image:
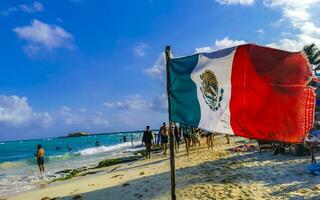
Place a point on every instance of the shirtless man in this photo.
(40, 158)
(164, 130)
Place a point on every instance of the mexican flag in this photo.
(250, 91)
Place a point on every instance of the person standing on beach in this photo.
(186, 136)
(147, 139)
(40, 158)
(164, 130)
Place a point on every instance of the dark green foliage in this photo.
(109, 162)
(313, 54)
(70, 174)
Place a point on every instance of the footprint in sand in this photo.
(316, 188)
(303, 191)
(117, 175)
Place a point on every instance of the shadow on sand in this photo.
(284, 172)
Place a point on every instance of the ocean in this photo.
(18, 166)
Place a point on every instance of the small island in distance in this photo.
(77, 134)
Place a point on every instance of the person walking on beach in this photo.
(147, 139)
(228, 140)
(209, 136)
(311, 143)
(186, 136)
(195, 137)
(177, 135)
(40, 158)
(164, 130)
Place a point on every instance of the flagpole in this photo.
(171, 136)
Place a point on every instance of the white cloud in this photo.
(99, 120)
(32, 8)
(158, 69)
(220, 44)
(16, 111)
(46, 119)
(299, 15)
(70, 117)
(260, 31)
(81, 118)
(234, 2)
(139, 49)
(134, 102)
(287, 44)
(160, 103)
(40, 35)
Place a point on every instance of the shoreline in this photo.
(205, 174)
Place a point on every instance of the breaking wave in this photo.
(102, 149)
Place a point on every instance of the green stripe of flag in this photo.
(185, 107)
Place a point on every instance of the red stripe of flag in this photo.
(269, 97)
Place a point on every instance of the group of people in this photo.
(190, 135)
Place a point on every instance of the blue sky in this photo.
(97, 66)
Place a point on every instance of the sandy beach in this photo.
(205, 174)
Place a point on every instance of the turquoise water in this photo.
(18, 167)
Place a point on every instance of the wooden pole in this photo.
(171, 135)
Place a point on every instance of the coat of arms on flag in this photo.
(210, 90)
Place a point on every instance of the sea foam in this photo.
(102, 149)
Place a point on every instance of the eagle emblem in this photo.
(210, 90)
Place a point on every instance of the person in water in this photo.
(147, 139)
(164, 130)
(40, 158)
(132, 140)
(124, 139)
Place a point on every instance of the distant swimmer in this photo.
(69, 148)
(98, 144)
(40, 158)
(124, 139)
(132, 140)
